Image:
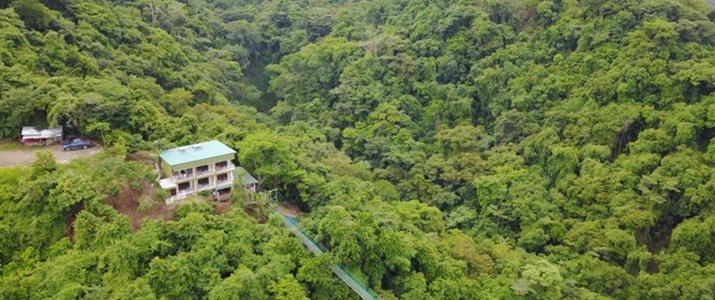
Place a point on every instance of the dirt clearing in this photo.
(24, 157)
(127, 203)
(223, 207)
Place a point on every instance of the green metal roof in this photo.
(195, 152)
(246, 177)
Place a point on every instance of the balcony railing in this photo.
(183, 177)
(211, 170)
(189, 190)
(202, 187)
(177, 197)
(183, 194)
(223, 181)
(227, 167)
(205, 172)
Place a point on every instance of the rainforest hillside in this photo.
(454, 149)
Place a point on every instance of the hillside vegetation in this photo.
(456, 149)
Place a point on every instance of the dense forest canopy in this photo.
(455, 149)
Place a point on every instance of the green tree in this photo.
(269, 156)
(35, 15)
(44, 164)
(287, 288)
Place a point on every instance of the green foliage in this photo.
(696, 236)
(242, 284)
(147, 203)
(35, 15)
(70, 190)
(44, 164)
(540, 279)
(286, 288)
(439, 149)
(269, 156)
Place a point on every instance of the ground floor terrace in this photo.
(215, 185)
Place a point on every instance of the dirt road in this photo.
(22, 157)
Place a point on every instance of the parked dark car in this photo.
(75, 144)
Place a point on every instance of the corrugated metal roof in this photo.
(245, 177)
(195, 152)
(32, 132)
(29, 130)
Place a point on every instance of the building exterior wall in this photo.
(194, 188)
(168, 172)
(40, 141)
(202, 162)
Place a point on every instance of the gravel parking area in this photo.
(23, 157)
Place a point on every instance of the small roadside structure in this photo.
(201, 167)
(34, 136)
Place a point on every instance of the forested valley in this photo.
(454, 149)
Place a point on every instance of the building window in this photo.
(202, 169)
(221, 165)
(183, 173)
(222, 177)
(203, 182)
(184, 186)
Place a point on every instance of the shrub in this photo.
(146, 203)
(161, 194)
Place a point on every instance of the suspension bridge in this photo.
(353, 283)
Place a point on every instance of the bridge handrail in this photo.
(292, 223)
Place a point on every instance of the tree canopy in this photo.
(486, 149)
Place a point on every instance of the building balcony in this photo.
(226, 168)
(182, 178)
(203, 187)
(204, 173)
(187, 191)
(213, 179)
(220, 182)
